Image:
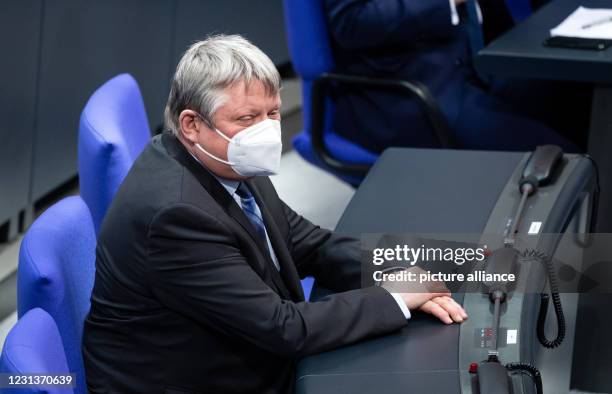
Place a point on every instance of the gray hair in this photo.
(207, 68)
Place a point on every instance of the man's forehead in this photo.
(254, 89)
(251, 94)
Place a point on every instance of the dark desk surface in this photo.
(421, 358)
(520, 53)
(408, 190)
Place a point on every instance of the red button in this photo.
(473, 367)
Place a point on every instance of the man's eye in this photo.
(245, 118)
(274, 113)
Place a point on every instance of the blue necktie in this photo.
(473, 27)
(253, 213)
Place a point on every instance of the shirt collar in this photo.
(229, 184)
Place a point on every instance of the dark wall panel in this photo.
(59, 51)
(85, 43)
(18, 69)
(262, 22)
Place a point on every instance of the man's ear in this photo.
(190, 124)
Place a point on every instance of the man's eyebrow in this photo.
(243, 110)
(250, 110)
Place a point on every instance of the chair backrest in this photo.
(308, 38)
(309, 43)
(519, 9)
(310, 49)
(56, 272)
(112, 132)
(34, 346)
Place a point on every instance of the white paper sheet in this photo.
(586, 23)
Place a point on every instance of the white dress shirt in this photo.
(455, 15)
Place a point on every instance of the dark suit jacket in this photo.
(405, 39)
(186, 297)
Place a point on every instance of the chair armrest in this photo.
(320, 88)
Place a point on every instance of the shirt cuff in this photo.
(401, 304)
(454, 13)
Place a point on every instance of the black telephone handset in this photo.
(542, 163)
(493, 378)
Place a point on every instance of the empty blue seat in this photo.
(34, 346)
(112, 132)
(56, 273)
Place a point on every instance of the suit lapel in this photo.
(227, 202)
(288, 272)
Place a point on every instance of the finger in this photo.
(461, 309)
(459, 306)
(451, 307)
(456, 306)
(436, 310)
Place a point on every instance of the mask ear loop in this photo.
(229, 163)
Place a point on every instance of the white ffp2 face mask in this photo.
(254, 151)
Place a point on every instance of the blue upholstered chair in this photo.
(34, 346)
(519, 9)
(311, 55)
(56, 273)
(113, 131)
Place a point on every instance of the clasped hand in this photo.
(430, 297)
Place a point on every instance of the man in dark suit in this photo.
(433, 42)
(198, 263)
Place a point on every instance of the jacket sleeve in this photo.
(196, 268)
(332, 259)
(362, 24)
